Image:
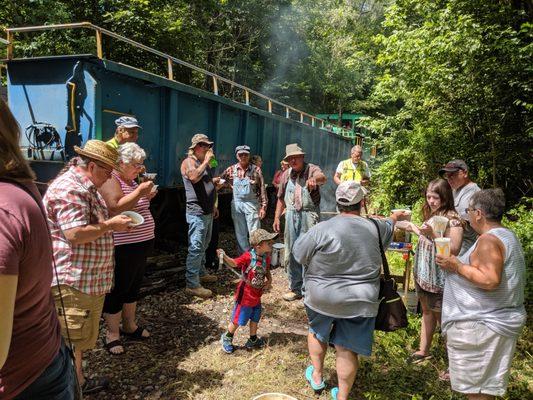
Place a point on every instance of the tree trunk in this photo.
(493, 151)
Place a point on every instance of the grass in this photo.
(208, 373)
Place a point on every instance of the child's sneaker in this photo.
(254, 344)
(227, 344)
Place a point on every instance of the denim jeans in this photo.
(296, 224)
(245, 216)
(200, 227)
(57, 381)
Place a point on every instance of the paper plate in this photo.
(137, 219)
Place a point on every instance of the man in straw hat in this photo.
(200, 193)
(83, 247)
(127, 131)
(299, 197)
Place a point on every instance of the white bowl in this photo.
(274, 396)
(136, 218)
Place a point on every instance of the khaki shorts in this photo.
(83, 313)
(479, 358)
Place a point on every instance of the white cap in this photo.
(349, 193)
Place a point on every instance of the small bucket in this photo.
(277, 254)
(274, 396)
(411, 302)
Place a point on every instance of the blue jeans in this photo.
(200, 227)
(245, 216)
(296, 224)
(57, 381)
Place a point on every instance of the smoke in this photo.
(286, 50)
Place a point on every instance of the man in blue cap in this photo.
(127, 131)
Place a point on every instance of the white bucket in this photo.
(274, 396)
(411, 301)
(277, 254)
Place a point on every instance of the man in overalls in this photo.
(299, 197)
(249, 196)
(353, 169)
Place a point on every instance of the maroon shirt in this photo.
(26, 251)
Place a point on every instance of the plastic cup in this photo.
(439, 224)
(213, 163)
(407, 212)
(443, 246)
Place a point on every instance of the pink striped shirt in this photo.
(140, 233)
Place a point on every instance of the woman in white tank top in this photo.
(483, 308)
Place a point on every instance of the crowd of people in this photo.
(79, 253)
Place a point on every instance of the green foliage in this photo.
(456, 83)
(520, 220)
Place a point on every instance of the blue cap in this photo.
(127, 122)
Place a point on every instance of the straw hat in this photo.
(293, 150)
(98, 150)
(199, 138)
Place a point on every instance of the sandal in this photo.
(445, 376)
(416, 358)
(309, 377)
(113, 344)
(137, 334)
(93, 385)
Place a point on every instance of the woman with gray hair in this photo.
(122, 193)
(483, 308)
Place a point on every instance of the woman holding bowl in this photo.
(429, 278)
(122, 193)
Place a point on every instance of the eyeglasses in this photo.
(137, 165)
(202, 144)
(448, 175)
(243, 154)
(468, 209)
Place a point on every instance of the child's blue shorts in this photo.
(243, 314)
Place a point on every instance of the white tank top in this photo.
(501, 310)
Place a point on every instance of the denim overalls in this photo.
(244, 209)
(297, 223)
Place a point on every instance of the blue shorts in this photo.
(355, 334)
(242, 314)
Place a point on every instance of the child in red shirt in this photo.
(255, 277)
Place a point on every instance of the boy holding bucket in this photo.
(255, 277)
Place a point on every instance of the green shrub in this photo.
(520, 220)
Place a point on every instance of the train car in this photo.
(63, 101)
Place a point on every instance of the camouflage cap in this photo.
(260, 235)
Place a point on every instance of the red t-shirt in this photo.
(247, 295)
(26, 251)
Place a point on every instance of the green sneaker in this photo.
(254, 344)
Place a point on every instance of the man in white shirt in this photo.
(456, 173)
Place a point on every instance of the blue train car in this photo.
(64, 101)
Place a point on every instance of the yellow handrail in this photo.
(100, 32)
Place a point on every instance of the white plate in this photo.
(137, 219)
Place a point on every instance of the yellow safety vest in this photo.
(113, 143)
(349, 173)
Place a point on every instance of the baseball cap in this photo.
(349, 193)
(127, 122)
(242, 149)
(260, 235)
(453, 166)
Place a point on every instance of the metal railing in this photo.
(101, 32)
